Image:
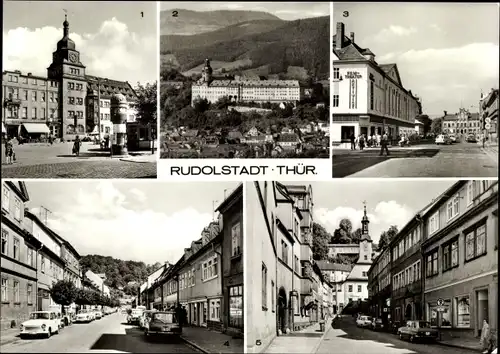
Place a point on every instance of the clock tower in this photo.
(365, 243)
(68, 73)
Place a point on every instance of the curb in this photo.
(135, 161)
(327, 329)
(194, 345)
(459, 346)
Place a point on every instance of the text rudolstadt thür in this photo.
(227, 170)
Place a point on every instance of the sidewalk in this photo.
(9, 335)
(209, 341)
(140, 157)
(463, 343)
(307, 340)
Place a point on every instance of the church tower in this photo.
(68, 73)
(365, 244)
(207, 72)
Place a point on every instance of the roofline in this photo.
(20, 190)
(44, 227)
(235, 194)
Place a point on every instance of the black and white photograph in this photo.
(244, 80)
(357, 266)
(415, 90)
(79, 89)
(112, 267)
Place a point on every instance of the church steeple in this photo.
(66, 26)
(364, 226)
(66, 42)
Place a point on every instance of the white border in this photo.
(158, 81)
(245, 264)
(330, 64)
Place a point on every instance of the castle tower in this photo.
(207, 72)
(365, 244)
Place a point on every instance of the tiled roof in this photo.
(111, 87)
(254, 83)
(324, 265)
(386, 67)
(289, 137)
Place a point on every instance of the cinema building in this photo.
(368, 98)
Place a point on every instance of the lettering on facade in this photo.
(353, 75)
(353, 94)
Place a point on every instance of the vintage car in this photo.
(377, 324)
(443, 139)
(163, 323)
(40, 323)
(364, 321)
(85, 316)
(145, 318)
(416, 330)
(134, 316)
(471, 138)
(453, 138)
(98, 314)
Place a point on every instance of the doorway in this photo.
(408, 312)
(481, 308)
(282, 309)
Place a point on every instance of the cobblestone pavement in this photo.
(107, 335)
(457, 160)
(45, 161)
(345, 337)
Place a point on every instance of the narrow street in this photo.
(345, 337)
(108, 335)
(430, 160)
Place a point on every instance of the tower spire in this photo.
(364, 222)
(66, 25)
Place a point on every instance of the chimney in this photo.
(445, 113)
(29, 74)
(352, 37)
(339, 40)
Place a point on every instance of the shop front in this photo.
(34, 131)
(459, 310)
(198, 313)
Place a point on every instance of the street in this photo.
(56, 161)
(107, 335)
(345, 337)
(429, 160)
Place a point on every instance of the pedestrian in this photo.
(378, 140)
(383, 144)
(76, 146)
(485, 340)
(361, 142)
(353, 143)
(9, 151)
(106, 142)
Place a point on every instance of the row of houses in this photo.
(207, 281)
(442, 266)
(33, 258)
(286, 290)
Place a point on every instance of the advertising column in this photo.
(119, 120)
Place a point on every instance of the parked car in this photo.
(134, 316)
(453, 138)
(145, 318)
(471, 138)
(84, 316)
(377, 324)
(364, 321)
(40, 323)
(163, 323)
(98, 314)
(415, 330)
(443, 139)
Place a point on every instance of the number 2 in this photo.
(175, 13)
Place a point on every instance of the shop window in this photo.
(236, 306)
(462, 311)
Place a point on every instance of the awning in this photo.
(36, 128)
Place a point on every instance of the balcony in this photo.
(12, 101)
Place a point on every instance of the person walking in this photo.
(361, 142)
(485, 340)
(9, 151)
(383, 144)
(353, 141)
(76, 146)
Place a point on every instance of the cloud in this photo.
(100, 222)
(434, 73)
(436, 28)
(112, 51)
(388, 34)
(385, 214)
(138, 194)
(234, 6)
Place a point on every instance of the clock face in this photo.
(73, 57)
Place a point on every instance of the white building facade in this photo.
(368, 98)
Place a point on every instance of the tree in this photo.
(146, 103)
(320, 242)
(343, 233)
(436, 126)
(386, 237)
(201, 105)
(63, 293)
(356, 236)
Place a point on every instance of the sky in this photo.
(446, 53)
(129, 220)
(116, 40)
(292, 10)
(387, 202)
